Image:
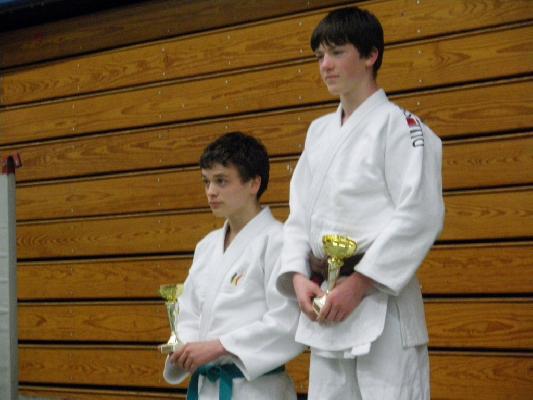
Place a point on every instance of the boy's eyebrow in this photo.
(219, 175)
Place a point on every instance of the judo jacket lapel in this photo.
(225, 259)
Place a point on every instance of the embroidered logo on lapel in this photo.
(236, 278)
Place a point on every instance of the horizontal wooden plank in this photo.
(488, 162)
(282, 133)
(479, 324)
(111, 279)
(125, 26)
(151, 20)
(454, 376)
(468, 111)
(490, 268)
(461, 269)
(271, 88)
(122, 236)
(219, 51)
(74, 393)
(133, 366)
(126, 194)
(214, 97)
(469, 216)
(469, 164)
(480, 376)
(488, 215)
(102, 322)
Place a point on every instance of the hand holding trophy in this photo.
(171, 293)
(337, 249)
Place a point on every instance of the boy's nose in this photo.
(326, 62)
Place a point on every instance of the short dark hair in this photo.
(351, 25)
(243, 151)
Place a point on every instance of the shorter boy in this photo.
(237, 328)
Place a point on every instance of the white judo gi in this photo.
(376, 179)
(231, 295)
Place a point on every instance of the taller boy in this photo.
(370, 171)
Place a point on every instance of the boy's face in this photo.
(226, 193)
(342, 69)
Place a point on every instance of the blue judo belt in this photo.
(226, 373)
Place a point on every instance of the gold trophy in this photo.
(171, 293)
(337, 248)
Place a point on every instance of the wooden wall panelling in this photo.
(125, 278)
(465, 111)
(454, 375)
(502, 160)
(494, 161)
(469, 110)
(159, 191)
(469, 269)
(48, 392)
(143, 22)
(283, 133)
(154, 234)
(485, 215)
(256, 90)
(481, 324)
(478, 269)
(94, 322)
(217, 51)
(499, 214)
(487, 376)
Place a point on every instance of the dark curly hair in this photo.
(243, 151)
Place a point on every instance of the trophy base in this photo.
(169, 347)
(318, 303)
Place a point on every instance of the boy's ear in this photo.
(371, 60)
(255, 184)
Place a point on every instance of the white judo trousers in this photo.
(388, 371)
(376, 179)
(231, 295)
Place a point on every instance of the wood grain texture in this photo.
(498, 161)
(283, 133)
(479, 324)
(469, 216)
(131, 278)
(454, 376)
(115, 236)
(481, 376)
(493, 268)
(466, 164)
(490, 268)
(164, 18)
(256, 90)
(488, 215)
(140, 23)
(468, 111)
(247, 47)
(163, 191)
(51, 392)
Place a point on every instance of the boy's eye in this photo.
(319, 56)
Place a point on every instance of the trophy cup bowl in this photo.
(337, 248)
(171, 293)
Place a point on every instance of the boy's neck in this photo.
(239, 220)
(352, 100)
